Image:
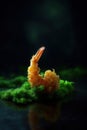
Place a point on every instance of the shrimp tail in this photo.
(38, 54)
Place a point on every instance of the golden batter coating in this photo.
(50, 80)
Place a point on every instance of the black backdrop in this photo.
(28, 25)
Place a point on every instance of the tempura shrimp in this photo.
(50, 80)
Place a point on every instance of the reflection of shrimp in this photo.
(50, 79)
(42, 112)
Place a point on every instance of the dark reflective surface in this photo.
(68, 114)
(44, 116)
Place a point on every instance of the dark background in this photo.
(60, 25)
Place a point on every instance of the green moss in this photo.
(25, 94)
(73, 73)
(18, 80)
(12, 81)
(17, 90)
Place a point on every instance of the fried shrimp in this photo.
(50, 80)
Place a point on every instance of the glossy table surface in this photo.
(62, 115)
